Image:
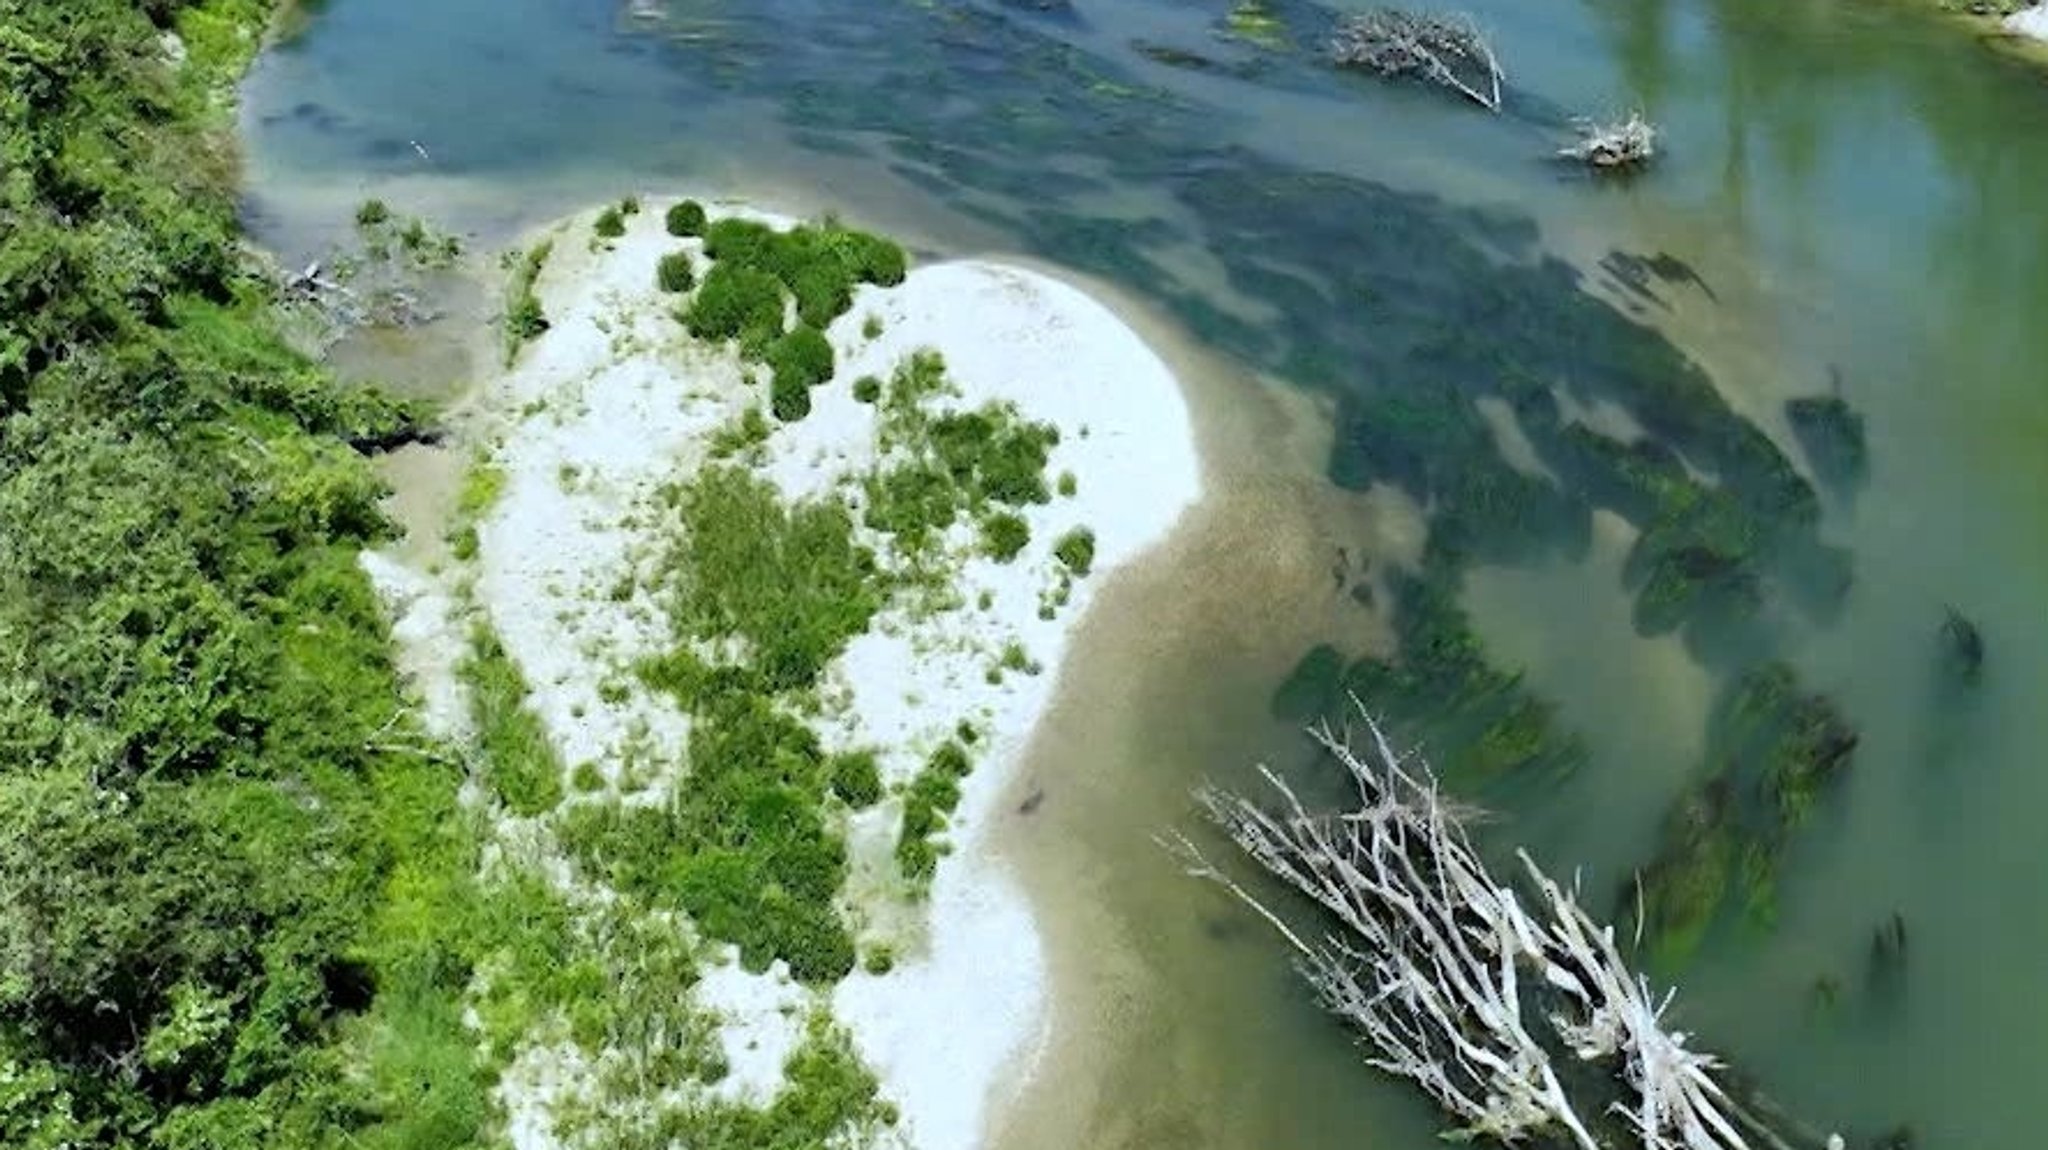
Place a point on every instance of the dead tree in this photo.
(1453, 983)
(1625, 143)
(1447, 50)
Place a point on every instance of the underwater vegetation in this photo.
(1772, 751)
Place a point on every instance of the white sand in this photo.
(614, 400)
(2029, 22)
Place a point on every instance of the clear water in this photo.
(1858, 186)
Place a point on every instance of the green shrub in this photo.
(372, 213)
(1003, 535)
(803, 356)
(914, 502)
(686, 219)
(1076, 549)
(867, 389)
(856, 779)
(931, 796)
(871, 327)
(675, 273)
(788, 579)
(630, 206)
(611, 224)
(525, 320)
(1068, 484)
(736, 302)
(739, 241)
(519, 764)
(789, 398)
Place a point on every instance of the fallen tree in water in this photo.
(1486, 1005)
(1447, 50)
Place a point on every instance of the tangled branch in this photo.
(1452, 982)
(1622, 143)
(1446, 50)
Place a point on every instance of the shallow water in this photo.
(1857, 189)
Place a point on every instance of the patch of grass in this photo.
(1068, 485)
(524, 319)
(675, 273)
(931, 796)
(741, 435)
(610, 225)
(518, 762)
(742, 848)
(685, 219)
(871, 327)
(799, 361)
(1076, 549)
(867, 389)
(586, 778)
(736, 302)
(371, 213)
(856, 779)
(1004, 535)
(786, 579)
(880, 960)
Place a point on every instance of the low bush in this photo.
(867, 389)
(789, 398)
(372, 213)
(675, 273)
(1076, 549)
(686, 219)
(856, 779)
(1004, 535)
(736, 302)
(803, 356)
(611, 224)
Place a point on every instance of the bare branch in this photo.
(1452, 982)
(1447, 50)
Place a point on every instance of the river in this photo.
(1851, 196)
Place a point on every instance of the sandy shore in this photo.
(615, 400)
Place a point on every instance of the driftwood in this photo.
(344, 307)
(1625, 143)
(1447, 50)
(1458, 986)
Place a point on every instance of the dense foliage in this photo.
(208, 819)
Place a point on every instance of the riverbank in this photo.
(611, 415)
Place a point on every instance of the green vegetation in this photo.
(517, 763)
(1771, 749)
(1076, 550)
(788, 581)
(1004, 535)
(931, 796)
(1068, 485)
(856, 779)
(611, 224)
(871, 327)
(800, 361)
(753, 265)
(372, 213)
(675, 272)
(867, 389)
(524, 319)
(743, 849)
(737, 302)
(747, 432)
(686, 219)
(950, 463)
(238, 903)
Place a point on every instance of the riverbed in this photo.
(1853, 196)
